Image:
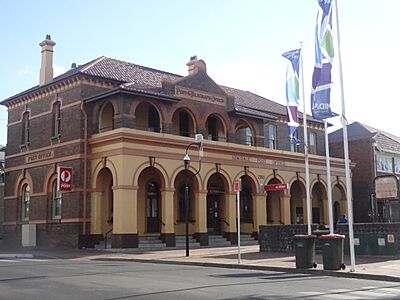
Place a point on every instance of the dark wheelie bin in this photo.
(305, 251)
(332, 251)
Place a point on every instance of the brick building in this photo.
(124, 129)
(374, 153)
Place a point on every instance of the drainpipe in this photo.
(84, 168)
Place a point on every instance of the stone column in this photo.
(167, 217)
(230, 216)
(285, 209)
(259, 212)
(95, 212)
(201, 234)
(125, 226)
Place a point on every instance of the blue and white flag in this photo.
(324, 54)
(292, 92)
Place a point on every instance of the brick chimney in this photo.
(196, 65)
(46, 68)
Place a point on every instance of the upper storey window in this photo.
(56, 112)
(272, 140)
(25, 128)
(313, 143)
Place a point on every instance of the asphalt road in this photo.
(91, 279)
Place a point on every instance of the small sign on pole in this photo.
(64, 178)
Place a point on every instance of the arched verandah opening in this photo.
(149, 201)
(339, 202)
(147, 117)
(183, 179)
(247, 198)
(319, 204)
(216, 204)
(183, 123)
(274, 204)
(297, 209)
(103, 208)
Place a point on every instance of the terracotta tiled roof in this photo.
(148, 80)
(127, 72)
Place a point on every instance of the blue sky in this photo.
(241, 42)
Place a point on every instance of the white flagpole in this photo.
(346, 151)
(328, 178)
(238, 215)
(309, 213)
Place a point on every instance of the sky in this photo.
(241, 42)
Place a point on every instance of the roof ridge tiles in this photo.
(93, 63)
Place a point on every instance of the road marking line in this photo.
(342, 296)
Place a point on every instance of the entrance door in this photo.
(213, 214)
(153, 208)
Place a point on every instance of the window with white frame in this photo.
(26, 196)
(397, 165)
(312, 149)
(272, 142)
(56, 203)
(384, 163)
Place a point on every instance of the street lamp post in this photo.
(186, 162)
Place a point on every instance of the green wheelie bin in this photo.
(332, 251)
(305, 251)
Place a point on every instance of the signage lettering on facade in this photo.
(200, 96)
(276, 187)
(39, 156)
(64, 178)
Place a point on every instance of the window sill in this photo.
(55, 220)
(24, 147)
(55, 139)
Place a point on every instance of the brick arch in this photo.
(164, 177)
(190, 109)
(49, 179)
(101, 165)
(21, 180)
(157, 106)
(98, 109)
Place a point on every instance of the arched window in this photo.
(26, 195)
(25, 128)
(56, 202)
(56, 130)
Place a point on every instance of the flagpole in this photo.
(309, 215)
(328, 178)
(346, 151)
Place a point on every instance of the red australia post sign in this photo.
(275, 187)
(64, 178)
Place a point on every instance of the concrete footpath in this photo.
(367, 267)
